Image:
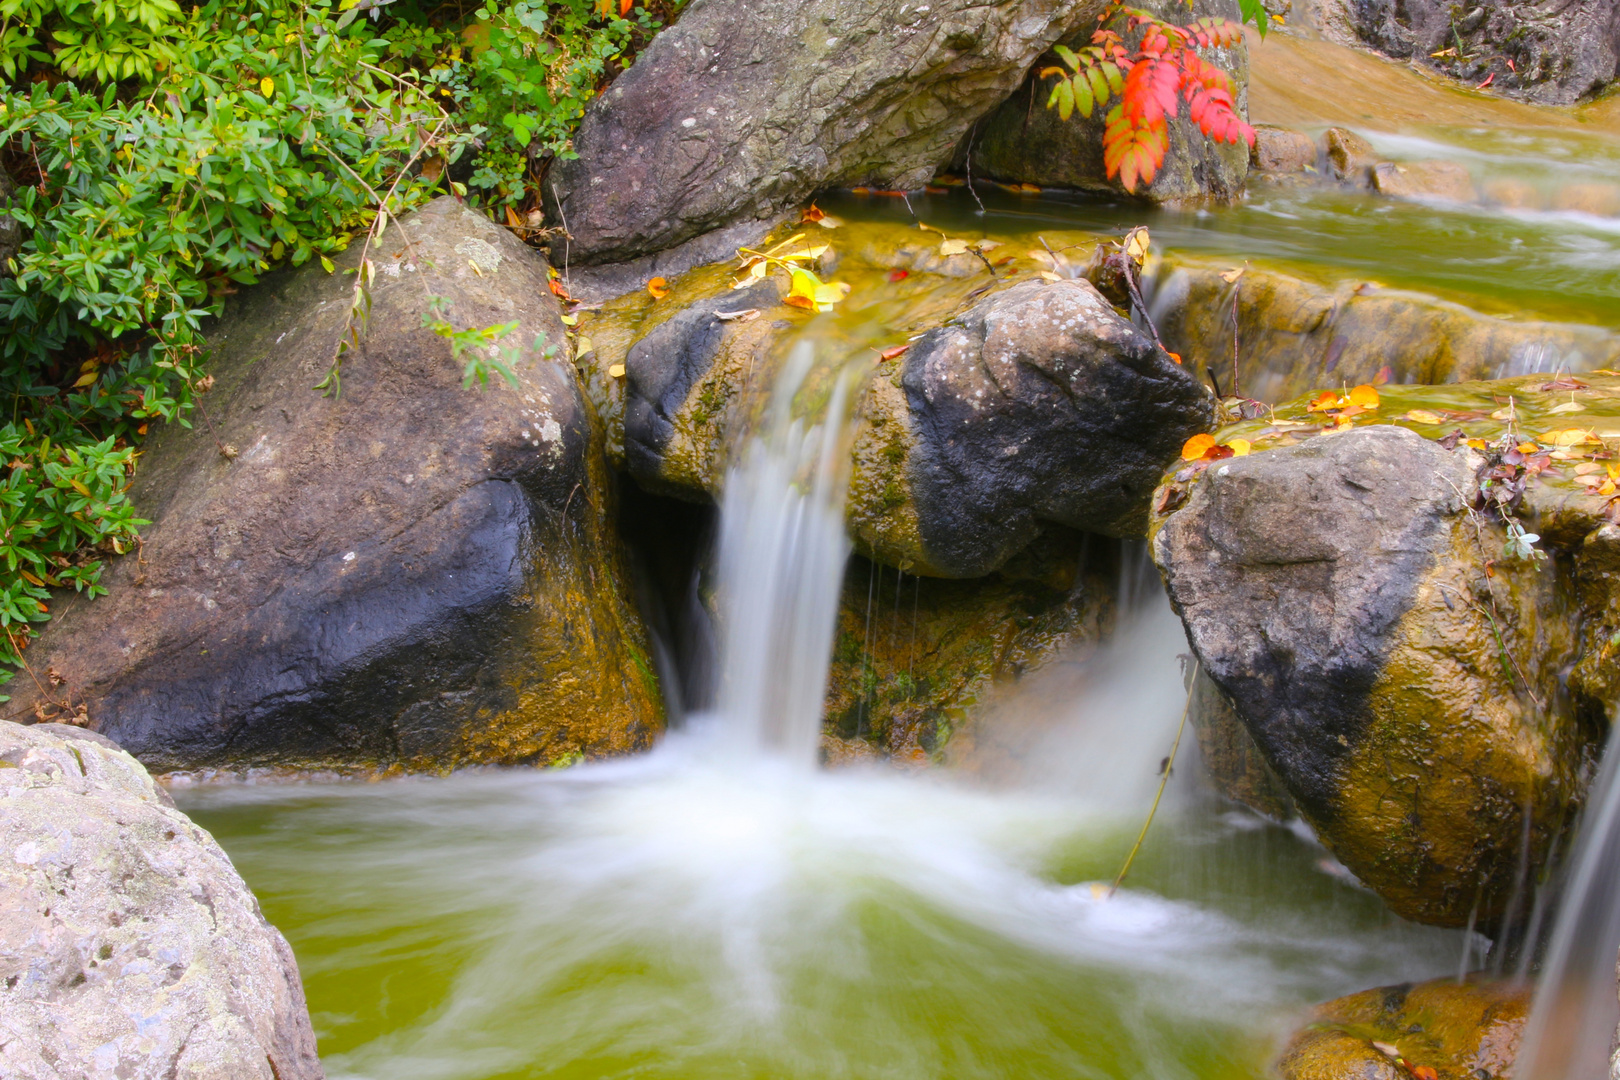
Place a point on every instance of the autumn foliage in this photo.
(1148, 86)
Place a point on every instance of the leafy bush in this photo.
(165, 155)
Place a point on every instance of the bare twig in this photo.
(1164, 781)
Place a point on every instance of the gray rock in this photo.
(1279, 150)
(1336, 591)
(1024, 141)
(741, 110)
(411, 573)
(129, 946)
(1562, 52)
(1039, 404)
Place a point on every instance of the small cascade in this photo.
(782, 556)
(1572, 1029)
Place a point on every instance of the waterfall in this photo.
(782, 557)
(1571, 1032)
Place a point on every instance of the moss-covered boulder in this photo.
(1377, 609)
(408, 574)
(1025, 142)
(1455, 1030)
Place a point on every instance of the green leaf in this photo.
(1068, 57)
(1065, 92)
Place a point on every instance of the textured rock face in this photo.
(1561, 52)
(740, 110)
(1334, 590)
(407, 574)
(1456, 1029)
(1038, 404)
(129, 947)
(1023, 141)
(1296, 336)
(1279, 150)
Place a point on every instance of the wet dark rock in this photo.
(1336, 592)
(739, 111)
(409, 574)
(1561, 53)
(129, 946)
(1040, 404)
(1024, 141)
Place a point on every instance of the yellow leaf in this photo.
(1568, 437)
(570, 320)
(267, 86)
(1364, 395)
(1230, 276)
(830, 294)
(30, 577)
(827, 221)
(1477, 444)
(616, 371)
(1424, 416)
(953, 247)
(1239, 447)
(1503, 414)
(1567, 407)
(1606, 488)
(809, 254)
(1049, 276)
(582, 347)
(811, 292)
(1196, 447)
(1137, 246)
(84, 380)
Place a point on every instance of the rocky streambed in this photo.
(1364, 423)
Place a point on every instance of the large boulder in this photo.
(1398, 671)
(406, 574)
(1024, 141)
(741, 110)
(129, 946)
(1035, 404)
(1550, 53)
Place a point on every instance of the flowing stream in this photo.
(721, 907)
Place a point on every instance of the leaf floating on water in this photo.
(1365, 396)
(953, 247)
(1568, 437)
(1567, 407)
(812, 293)
(1196, 447)
(1423, 416)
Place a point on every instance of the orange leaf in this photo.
(899, 275)
(1425, 1072)
(815, 213)
(898, 350)
(625, 6)
(1196, 447)
(1325, 400)
(557, 289)
(1365, 396)
(1173, 355)
(658, 287)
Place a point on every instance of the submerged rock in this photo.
(1445, 180)
(739, 111)
(1460, 1031)
(1024, 141)
(1396, 670)
(1279, 150)
(129, 946)
(408, 574)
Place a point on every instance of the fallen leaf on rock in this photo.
(1195, 447)
(953, 247)
(1325, 400)
(1239, 447)
(811, 292)
(1425, 1072)
(1230, 276)
(658, 287)
(1170, 497)
(1586, 467)
(1423, 416)
(899, 275)
(616, 371)
(582, 347)
(1386, 1049)
(745, 315)
(891, 353)
(1173, 355)
(1564, 382)
(1049, 276)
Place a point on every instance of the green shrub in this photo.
(165, 155)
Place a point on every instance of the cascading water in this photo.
(1572, 1030)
